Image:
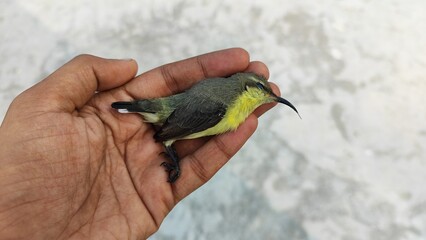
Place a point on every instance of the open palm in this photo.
(72, 167)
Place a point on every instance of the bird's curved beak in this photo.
(284, 101)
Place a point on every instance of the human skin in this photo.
(73, 168)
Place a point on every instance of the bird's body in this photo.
(212, 106)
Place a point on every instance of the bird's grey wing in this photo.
(191, 118)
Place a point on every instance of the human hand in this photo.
(72, 167)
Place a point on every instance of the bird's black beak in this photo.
(284, 101)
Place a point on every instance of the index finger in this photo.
(178, 76)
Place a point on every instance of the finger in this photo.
(72, 85)
(178, 76)
(189, 146)
(200, 166)
(259, 68)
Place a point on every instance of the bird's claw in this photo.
(173, 170)
(172, 167)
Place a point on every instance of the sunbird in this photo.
(210, 107)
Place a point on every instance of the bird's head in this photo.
(257, 87)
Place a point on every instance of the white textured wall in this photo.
(353, 168)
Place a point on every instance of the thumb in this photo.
(72, 85)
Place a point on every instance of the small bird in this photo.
(210, 107)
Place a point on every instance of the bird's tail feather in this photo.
(125, 107)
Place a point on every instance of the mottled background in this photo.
(353, 168)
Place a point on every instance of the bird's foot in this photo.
(173, 170)
(172, 167)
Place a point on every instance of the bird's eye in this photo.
(260, 86)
